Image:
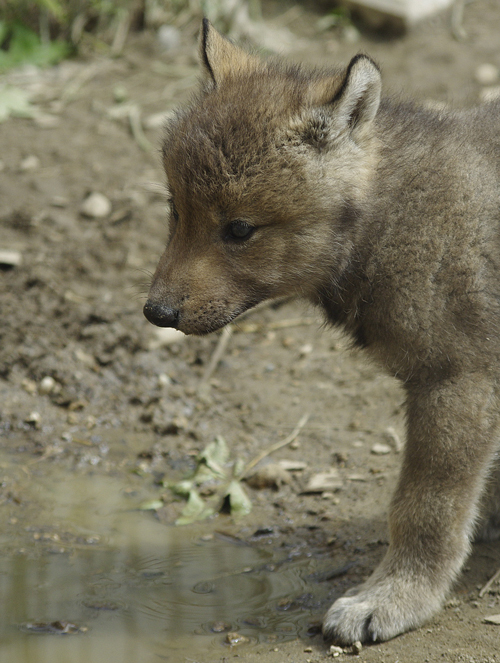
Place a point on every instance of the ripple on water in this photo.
(146, 589)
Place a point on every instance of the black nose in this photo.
(161, 315)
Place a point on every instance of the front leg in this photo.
(450, 446)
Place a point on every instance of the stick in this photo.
(288, 440)
(121, 33)
(134, 116)
(488, 585)
(71, 90)
(227, 332)
(224, 338)
(457, 17)
(250, 328)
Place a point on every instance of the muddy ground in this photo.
(122, 403)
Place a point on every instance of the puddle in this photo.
(139, 591)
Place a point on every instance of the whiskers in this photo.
(139, 289)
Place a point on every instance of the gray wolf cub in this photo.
(285, 181)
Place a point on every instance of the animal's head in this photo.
(266, 170)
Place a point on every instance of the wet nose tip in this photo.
(161, 315)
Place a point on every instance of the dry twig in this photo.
(121, 34)
(227, 332)
(134, 116)
(457, 19)
(73, 88)
(489, 584)
(250, 328)
(288, 440)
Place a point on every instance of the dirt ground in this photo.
(120, 401)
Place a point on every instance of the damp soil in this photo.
(84, 571)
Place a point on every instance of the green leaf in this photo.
(239, 466)
(205, 474)
(215, 455)
(195, 509)
(15, 102)
(152, 505)
(239, 502)
(182, 488)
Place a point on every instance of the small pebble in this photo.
(165, 336)
(381, 449)
(34, 419)
(233, 639)
(96, 206)
(357, 647)
(164, 380)
(220, 627)
(324, 482)
(335, 651)
(10, 258)
(207, 537)
(47, 385)
(487, 74)
(31, 162)
(492, 619)
(305, 350)
(169, 37)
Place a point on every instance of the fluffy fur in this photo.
(286, 181)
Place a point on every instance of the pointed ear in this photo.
(220, 57)
(357, 100)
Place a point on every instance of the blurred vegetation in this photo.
(42, 32)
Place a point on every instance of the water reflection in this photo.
(141, 591)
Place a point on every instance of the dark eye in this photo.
(240, 230)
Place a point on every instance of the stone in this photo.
(380, 449)
(96, 206)
(29, 163)
(487, 74)
(10, 258)
(169, 37)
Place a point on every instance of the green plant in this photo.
(21, 45)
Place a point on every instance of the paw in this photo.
(378, 612)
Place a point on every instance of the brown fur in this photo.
(293, 182)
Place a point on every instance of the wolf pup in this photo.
(386, 215)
